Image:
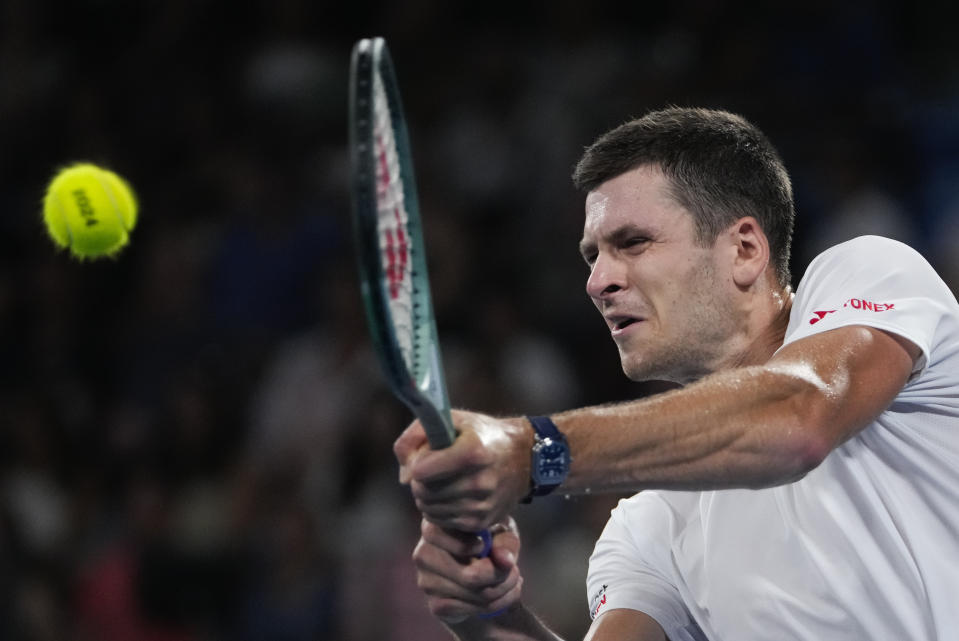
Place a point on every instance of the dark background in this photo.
(195, 442)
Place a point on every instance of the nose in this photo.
(606, 277)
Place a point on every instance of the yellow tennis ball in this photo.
(89, 210)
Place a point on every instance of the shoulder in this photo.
(867, 251)
(872, 263)
(876, 282)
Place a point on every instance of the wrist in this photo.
(523, 439)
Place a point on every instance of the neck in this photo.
(760, 334)
(772, 332)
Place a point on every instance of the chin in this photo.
(639, 371)
(645, 370)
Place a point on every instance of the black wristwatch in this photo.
(550, 458)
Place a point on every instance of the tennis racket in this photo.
(390, 248)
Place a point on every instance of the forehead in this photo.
(639, 198)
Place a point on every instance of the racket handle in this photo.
(487, 547)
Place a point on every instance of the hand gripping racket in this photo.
(389, 242)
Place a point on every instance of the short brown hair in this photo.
(721, 168)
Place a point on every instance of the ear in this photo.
(750, 249)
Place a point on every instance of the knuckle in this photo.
(417, 489)
(485, 506)
(419, 553)
(420, 505)
(477, 521)
(478, 455)
(480, 484)
(443, 606)
(468, 577)
(474, 577)
(490, 594)
(437, 606)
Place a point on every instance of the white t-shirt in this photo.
(865, 546)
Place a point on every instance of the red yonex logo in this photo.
(820, 316)
(858, 303)
(855, 303)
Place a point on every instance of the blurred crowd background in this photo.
(195, 443)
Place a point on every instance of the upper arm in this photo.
(852, 373)
(864, 319)
(625, 625)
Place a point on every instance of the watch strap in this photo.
(545, 428)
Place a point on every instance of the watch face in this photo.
(552, 463)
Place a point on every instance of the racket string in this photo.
(393, 223)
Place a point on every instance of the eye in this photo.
(589, 253)
(634, 242)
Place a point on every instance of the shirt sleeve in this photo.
(624, 568)
(872, 281)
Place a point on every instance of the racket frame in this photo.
(422, 385)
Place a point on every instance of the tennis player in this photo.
(804, 480)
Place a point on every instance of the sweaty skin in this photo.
(753, 426)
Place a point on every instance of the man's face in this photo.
(667, 300)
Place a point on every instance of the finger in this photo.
(444, 600)
(493, 593)
(459, 494)
(465, 455)
(467, 480)
(451, 611)
(454, 611)
(458, 543)
(463, 484)
(506, 542)
(462, 601)
(503, 558)
(465, 509)
(406, 447)
(440, 587)
(437, 586)
(510, 598)
(471, 575)
(440, 576)
(455, 519)
(478, 510)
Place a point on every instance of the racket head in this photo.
(389, 241)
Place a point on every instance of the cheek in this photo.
(669, 296)
(677, 305)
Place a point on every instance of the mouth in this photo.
(619, 324)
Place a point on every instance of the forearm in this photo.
(519, 624)
(742, 428)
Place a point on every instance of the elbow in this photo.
(807, 443)
(795, 454)
(806, 433)
(807, 451)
